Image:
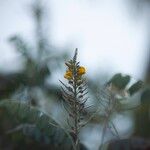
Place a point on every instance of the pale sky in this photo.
(107, 35)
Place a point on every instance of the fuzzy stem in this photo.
(75, 107)
(111, 107)
(104, 131)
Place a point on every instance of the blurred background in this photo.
(38, 36)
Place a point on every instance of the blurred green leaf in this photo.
(135, 87)
(120, 81)
(20, 45)
(129, 144)
(31, 124)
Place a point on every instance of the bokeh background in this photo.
(38, 36)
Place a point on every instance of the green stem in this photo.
(75, 109)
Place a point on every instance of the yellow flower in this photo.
(68, 75)
(81, 70)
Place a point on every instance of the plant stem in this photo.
(76, 110)
(109, 111)
(103, 133)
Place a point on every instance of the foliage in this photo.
(25, 124)
(74, 94)
(111, 99)
(40, 61)
(21, 123)
(26, 127)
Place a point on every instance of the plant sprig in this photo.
(74, 95)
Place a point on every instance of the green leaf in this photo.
(135, 87)
(20, 45)
(31, 124)
(120, 81)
